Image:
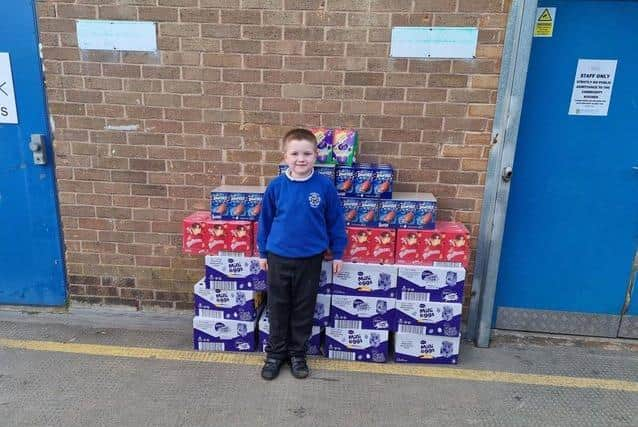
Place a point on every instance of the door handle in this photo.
(38, 149)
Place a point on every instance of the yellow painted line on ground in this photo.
(326, 364)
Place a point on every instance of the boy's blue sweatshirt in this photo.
(301, 218)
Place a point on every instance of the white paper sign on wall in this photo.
(593, 86)
(117, 35)
(8, 110)
(433, 42)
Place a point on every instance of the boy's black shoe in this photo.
(299, 367)
(271, 368)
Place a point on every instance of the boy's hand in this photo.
(337, 265)
(263, 264)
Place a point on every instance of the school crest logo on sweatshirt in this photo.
(314, 199)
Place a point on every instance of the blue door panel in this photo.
(31, 257)
(572, 220)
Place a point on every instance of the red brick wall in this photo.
(141, 138)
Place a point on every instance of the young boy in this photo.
(301, 217)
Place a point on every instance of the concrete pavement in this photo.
(85, 367)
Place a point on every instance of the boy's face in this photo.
(300, 155)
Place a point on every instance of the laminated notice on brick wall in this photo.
(117, 35)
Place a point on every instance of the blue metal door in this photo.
(572, 221)
(629, 321)
(31, 260)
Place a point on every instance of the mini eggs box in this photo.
(223, 335)
(234, 273)
(428, 318)
(361, 345)
(224, 304)
(362, 312)
(416, 210)
(236, 202)
(417, 348)
(345, 146)
(366, 280)
(431, 283)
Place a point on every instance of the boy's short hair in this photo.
(300, 134)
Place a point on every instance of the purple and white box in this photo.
(428, 318)
(223, 335)
(366, 279)
(415, 348)
(224, 304)
(321, 316)
(234, 273)
(359, 312)
(314, 342)
(441, 284)
(325, 277)
(360, 345)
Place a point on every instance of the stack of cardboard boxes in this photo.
(403, 277)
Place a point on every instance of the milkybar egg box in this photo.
(345, 146)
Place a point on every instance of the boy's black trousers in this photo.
(292, 294)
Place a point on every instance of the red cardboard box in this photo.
(374, 245)
(204, 236)
(239, 236)
(456, 242)
(409, 246)
(448, 242)
(195, 232)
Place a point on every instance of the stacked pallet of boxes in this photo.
(403, 272)
(229, 299)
